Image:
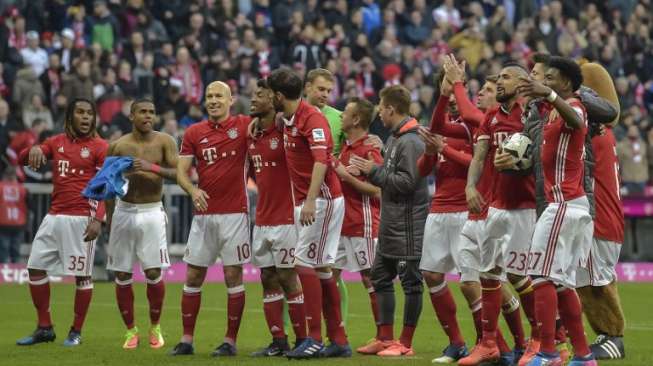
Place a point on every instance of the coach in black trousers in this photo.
(404, 208)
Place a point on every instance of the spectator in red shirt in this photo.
(13, 216)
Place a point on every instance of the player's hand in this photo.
(475, 201)
(454, 71)
(199, 198)
(532, 89)
(503, 160)
(141, 165)
(341, 171)
(364, 165)
(446, 88)
(92, 230)
(433, 143)
(307, 214)
(36, 158)
(374, 141)
(353, 170)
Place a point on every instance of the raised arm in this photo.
(468, 111)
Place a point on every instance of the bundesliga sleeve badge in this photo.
(318, 135)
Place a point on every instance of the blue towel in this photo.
(109, 181)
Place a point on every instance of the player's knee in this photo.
(152, 273)
(513, 278)
(36, 273)
(195, 276)
(269, 278)
(124, 276)
(433, 279)
(233, 275)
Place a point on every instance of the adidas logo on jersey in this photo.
(60, 149)
(204, 141)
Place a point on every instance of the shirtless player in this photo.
(137, 222)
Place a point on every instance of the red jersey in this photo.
(509, 191)
(609, 218)
(450, 175)
(307, 139)
(220, 152)
(562, 155)
(274, 205)
(13, 204)
(362, 212)
(75, 162)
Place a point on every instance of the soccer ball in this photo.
(519, 146)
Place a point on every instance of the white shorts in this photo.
(472, 236)
(509, 234)
(59, 246)
(600, 267)
(317, 245)
(221, 235)
(440, 252)
(138, 232)
(274, 246)
(562, 241)
(355, 254)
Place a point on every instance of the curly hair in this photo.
(70, 115)
(569, 69)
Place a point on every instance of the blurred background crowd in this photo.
(112, 51)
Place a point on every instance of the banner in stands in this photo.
(17, 273)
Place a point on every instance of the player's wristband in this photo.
(155, 168)
(552, 96)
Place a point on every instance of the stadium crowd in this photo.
(114, 51)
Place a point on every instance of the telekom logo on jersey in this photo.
(211, 155)
(63, 167)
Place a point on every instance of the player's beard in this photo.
(505, 97)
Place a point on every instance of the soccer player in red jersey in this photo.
(275, 234)
(220, 226)
(562, 237)
(440, 253)
(65, 241)
(360, 228)
(511, 216)
(319, 211)
(598, 291)
(472, 233)
(597, 280)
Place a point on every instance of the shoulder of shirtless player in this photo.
(144, 186)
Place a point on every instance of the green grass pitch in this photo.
(103, 331)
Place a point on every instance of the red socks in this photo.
(313, 300)
(475, 308)
(273, 310)
(406, 337)
(190, 307)
(375, 309)
(527, 297)
(331, 308)
(125, 297)
(445, 309)
(386, 332)
(491, 299)
(513, 318)
(571, 314)
(39, 288)
(155, 293)
(297, 314)
(546, 307)
(83, 296)
(235, 307)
